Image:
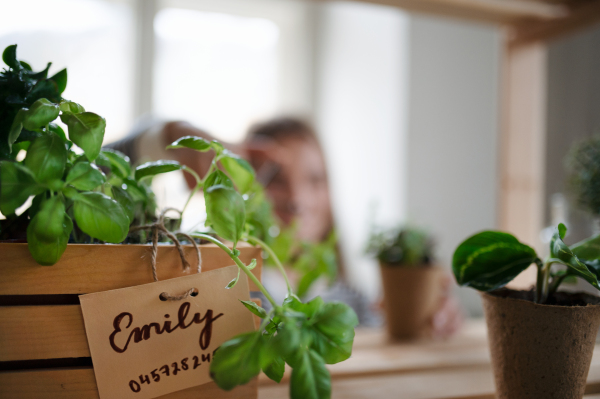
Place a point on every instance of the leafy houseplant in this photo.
(411, 283)
(82, 193)
(583, 165)
(541, 340)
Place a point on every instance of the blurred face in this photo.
(293, 170)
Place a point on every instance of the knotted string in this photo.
(159, 227)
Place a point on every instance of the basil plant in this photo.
(491, 259)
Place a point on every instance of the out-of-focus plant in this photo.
(404, 246)
(583, 166)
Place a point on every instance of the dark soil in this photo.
(559, 298)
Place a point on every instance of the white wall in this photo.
(362, 91)
(452, 145)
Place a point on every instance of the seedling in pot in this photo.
(491, 259)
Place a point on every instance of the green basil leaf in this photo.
(275, 369)
(50, 219)
(218, 147)
(233, 282)
(101, 217)
(85, 176)
(118, 162)
(47, 252)
(191, 142)
(252, 264)
(54, 128)
(491, 259)
(155, 168)
(306, 281)
(86, 130)
(60, 78)
(310, 378)
(16, 128)
(560, 251)
(9, 56)
(332, 330)
(240, 171)
(237, 361)
(217, 177)
(71, 107)
(226, 211)
(47, 157)
(17, 184)
(254, 308)
(124, 199)
(41, 113)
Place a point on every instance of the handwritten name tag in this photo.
(144, 347)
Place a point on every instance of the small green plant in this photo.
(491, 259)
(74, 200)
(406, 246)
(583, 165)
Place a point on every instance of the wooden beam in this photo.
(580, 16)
(491, 11)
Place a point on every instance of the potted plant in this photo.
(74, 200)
(541, 340)
(411, 282)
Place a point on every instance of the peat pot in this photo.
(44, 352)
(410, 297)
(540, 351)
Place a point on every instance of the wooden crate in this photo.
(43, 346)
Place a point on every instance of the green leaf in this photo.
(101, 217)
(218, 177)
(490, 260)
(41, 113)
(9, 56)
(233, 282)
(252, 264)
(306, 281)
(47, 157)
(86, 130)
(254, 308)
(155, 168)
(16, 128)
(71, 107)
(47, 252)
(218, 147)
(50, 219)
(118, 162)
(333, 331)
(60, 78)
(275, 369)
(237, 361)
(54, 128)
(85, 176)
(191, 142)
(310, 378)
(588, 252)
(226, 212)
(124, 199)
(560, 251)
(240, 171)
(17, 184)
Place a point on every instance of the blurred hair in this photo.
(281, 128)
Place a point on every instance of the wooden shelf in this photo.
(458, 368)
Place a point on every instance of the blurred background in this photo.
(407, 106)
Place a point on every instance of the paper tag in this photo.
(143, 347)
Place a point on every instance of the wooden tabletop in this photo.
(458, 368)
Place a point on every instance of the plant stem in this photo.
(539, 286)
(543, 279)
(555, 283)
(240, 264)
(195, 190)
(265, 247)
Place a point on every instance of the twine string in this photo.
(159, 227)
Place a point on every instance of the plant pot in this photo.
(410, 298)
(540, 351)
(43, 345)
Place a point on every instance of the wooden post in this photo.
(522, 145)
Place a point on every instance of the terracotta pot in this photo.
(539, 351)
(411, 296)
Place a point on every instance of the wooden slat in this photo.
(45, 332)
(580, 16)
(494, 11)
(92, 268)
(80, 383)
